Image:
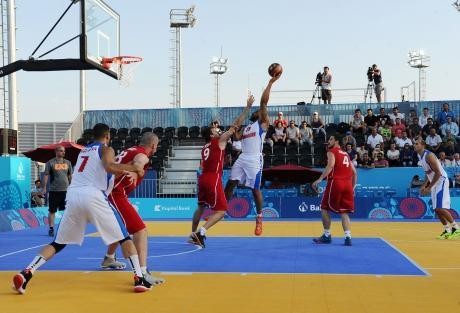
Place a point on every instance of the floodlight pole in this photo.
(179, 18)
(12, 88)
(418, 59)
(218, 67)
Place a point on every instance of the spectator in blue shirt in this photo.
(449, 126)
(442, 116)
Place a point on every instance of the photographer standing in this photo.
(326, 90)
(378, 85)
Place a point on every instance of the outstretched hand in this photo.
(250, 101)
(275, 78)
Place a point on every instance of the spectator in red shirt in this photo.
(398, 127)
(280, 119)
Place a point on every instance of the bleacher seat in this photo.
(292, 149)
(146, 129)
(159, 131)
(267, 149)
(343, 127)
(113, 132)
(331, 129)
(117, 145)
(194, 132)
(87, 134)
(130, 141)
(182, 132)
(305, 161)
(169, 132)
(134, 132)
(292, 159)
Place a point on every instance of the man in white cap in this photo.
(280, 119)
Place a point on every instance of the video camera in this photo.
(318, 79)
(370, 73)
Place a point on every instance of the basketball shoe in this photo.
(455, 233)
(444, 235)
(141, 284)
(198, 239)
(347, 241)
(323, 239)
(152, 279)
(112, 264)
(258, 230)
(20, 281)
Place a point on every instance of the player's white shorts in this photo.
(440, 194)
(248, 171)
(89, 205)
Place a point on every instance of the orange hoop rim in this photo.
(122, 59)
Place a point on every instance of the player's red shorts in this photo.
(127, 211)
(338, 196)
(211, 193)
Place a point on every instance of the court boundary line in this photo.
(22, 250)
(406, 256)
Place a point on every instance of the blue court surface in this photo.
(268, 255)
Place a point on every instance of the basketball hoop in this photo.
(124, 66)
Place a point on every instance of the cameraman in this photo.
(378, 85)
(326, 90)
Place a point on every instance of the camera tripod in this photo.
(316, 94)
(369, 91)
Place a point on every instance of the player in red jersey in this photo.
(339, 194)
(137, 155)
(210, 191)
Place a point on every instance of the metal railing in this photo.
(166, 188)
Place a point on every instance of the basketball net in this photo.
(124, 66)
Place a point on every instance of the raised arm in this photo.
(236, 123)
(264, 100)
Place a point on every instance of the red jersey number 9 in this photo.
(206, 154)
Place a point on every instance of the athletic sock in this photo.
(447, 228)
(454, 225)
(112, 256)
(327, 232)
(144, 269)
(36, 263)
(348, 233)
(259, 214)
(202, 231)
(134, 262)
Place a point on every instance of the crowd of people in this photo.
(383, 139)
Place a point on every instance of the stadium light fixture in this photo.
(456, 5)
(420, 60)
(218, 67)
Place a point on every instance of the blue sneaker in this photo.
(347, 241)
(323, 239)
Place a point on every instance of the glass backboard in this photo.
(101, 26)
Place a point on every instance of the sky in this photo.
(303, 36)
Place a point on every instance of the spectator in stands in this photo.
(374, 139)
(352, 154)
(292, 134)
(317, 125)
(398, 127)
(427, 127)
(37, 194)
(377, 150)
(280, 119)
(407, 156)
(326, 90)
(456, 160)
(383, 117)
(445, 112)
(393, 155)
(357, 123)
(349, 139)
(410, 118)
(380, 162)
(362, 151)
(366, 162)
(456, 180)
(280, 133)
(448, 146)
(385, 131)
(402, 140)
(306, 133)
(443, 160)
(449, 137)
(396, 114)
(423, 118)
(269, 135)
(371, 121)
(414, 130)
(433, 140)
(449, 125)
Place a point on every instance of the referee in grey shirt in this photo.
(59, 171)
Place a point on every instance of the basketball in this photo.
(275, 69)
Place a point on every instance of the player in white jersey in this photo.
(86, 202)
(437, 184)
(247, 169)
